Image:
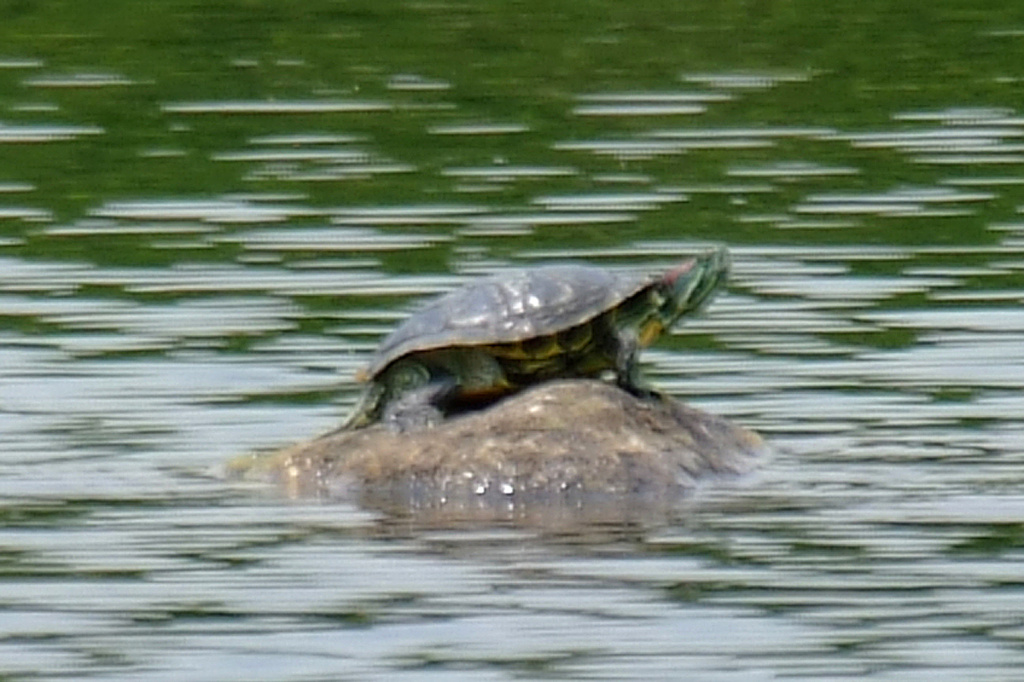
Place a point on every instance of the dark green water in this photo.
(210, 212)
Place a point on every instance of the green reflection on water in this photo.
(525, 61)
(124, 75)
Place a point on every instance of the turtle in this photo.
(503, 333)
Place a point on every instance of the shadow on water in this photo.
(210, 216)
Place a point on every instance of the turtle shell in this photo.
(509, 308)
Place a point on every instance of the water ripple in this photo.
(412, 82)
(211, 211)
(639, 149)
(22, 63)
(994, 320)
(895, 203)
(328, 239)
(79, 80)
(502, 173)
(634, 201)
(746, 81)
(45, 133)
(646, 103)
(25, 213)
(753, 132)
(306, 154)
(792, 171)
(420, 214)
(275, 107)
(16, 187)
(471, 129)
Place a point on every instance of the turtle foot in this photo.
(647, 393)
(418, 409)
(638, 388)
(413, 419)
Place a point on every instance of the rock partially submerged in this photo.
(559, 442)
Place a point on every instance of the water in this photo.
(208, 217)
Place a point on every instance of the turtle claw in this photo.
(412, 419)
(643, 391)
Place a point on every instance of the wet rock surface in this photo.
(559, 443)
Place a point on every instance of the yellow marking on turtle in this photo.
(545, 346)
(576, 338)
(649, 331)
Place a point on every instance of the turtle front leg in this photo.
(627, 369)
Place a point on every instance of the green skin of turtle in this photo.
(419, 389)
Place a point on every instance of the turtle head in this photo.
(684, 290)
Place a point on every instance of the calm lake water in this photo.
(210, 215)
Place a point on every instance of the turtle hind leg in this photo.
(419, 408)
(365, 412)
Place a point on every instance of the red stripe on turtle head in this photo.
(672, 276)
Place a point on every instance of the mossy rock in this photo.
(561, 443)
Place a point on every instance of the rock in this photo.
(558, 443)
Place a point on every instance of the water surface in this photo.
(210, 215)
